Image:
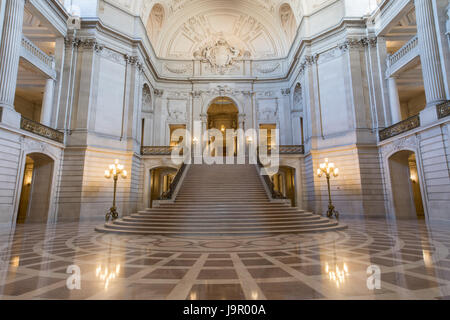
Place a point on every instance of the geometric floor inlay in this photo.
(413, 258)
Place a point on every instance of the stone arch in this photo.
(161, 178)
(155, 23)
(210, 101)
(406, 184)
(35, 200)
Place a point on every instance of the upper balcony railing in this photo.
(37, 57)
(399, 128)
(403, 56)
(41, 130)
(167, 151)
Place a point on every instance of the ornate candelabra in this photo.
(115, 170)
(328, 169)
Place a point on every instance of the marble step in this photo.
(221, 200)
(112, 228)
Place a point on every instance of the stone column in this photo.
(9, 60)
(394, 101)
(429, 53)
(47, 102)
(448, 24)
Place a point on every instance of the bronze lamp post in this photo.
(115, 170)
(328, 169)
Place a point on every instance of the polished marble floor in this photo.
(413, 257)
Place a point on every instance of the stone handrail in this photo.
(173, 186)
(276, 195)
(403, 51)
(41, 130)
(399, 128)
(30, 47)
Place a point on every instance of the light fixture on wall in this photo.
(328, 169)
(413, 178)
(115, 170)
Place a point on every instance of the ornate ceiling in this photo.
(227, 29)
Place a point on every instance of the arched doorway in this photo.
(35, 199)
(405, 182)
(160, 180)
(223, 115)
(284, 183)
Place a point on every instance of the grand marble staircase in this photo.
(221, 200)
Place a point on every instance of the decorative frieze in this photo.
(179, 69)
(91, 44)
(268, 68)
(158, 93)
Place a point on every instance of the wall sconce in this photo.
(115, 170)
(249, 139)
(195, 140)
(328, 169)
(413, 178)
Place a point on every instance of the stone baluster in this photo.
(9, 60)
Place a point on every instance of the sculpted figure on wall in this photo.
(155, 23)
(288, 21)
(220, 55)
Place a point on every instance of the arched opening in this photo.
(284, 183)
(34, 202)
(223, 115)
(406, 189)
(160, 180)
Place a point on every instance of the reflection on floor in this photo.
(414, 261)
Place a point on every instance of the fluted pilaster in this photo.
(429, 53)
(10, 51)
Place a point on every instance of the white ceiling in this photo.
(264, 28)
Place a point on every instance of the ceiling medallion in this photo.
(220, 55)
